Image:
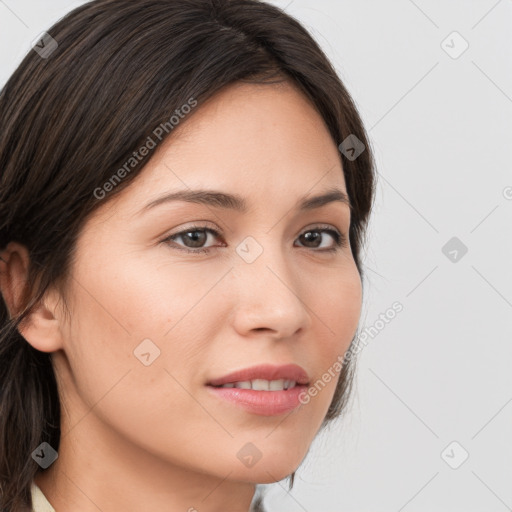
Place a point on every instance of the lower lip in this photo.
(265, 403)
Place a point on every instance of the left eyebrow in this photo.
(218, 199)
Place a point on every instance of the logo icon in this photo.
(44, 455)
(351, 147)
(454, 455)
(45, 45)
(249, 249)
(454, 249)
(454, 45)
(146, 352)
(249, 455)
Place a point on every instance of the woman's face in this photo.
(152, 324)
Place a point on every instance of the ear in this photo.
(41, 328)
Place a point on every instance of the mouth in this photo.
(264, 377)
(264, 390)
(260, 384)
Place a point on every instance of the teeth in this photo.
(246, 384)
(276, 385)
(262, 384)
(290, 384)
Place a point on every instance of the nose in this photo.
(269, 296)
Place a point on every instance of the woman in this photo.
(185, 187)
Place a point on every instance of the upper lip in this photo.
(265, 371)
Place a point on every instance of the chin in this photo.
(266, 472)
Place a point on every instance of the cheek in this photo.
(337, 309)
(124, 311)
(336, 304)
(133, 299)
(122, 307)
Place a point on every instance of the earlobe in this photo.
(42, 330)
(41, 327)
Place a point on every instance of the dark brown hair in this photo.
(71, 118)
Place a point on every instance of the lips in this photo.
(266, 390)
(290, 372)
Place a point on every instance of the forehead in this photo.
(264, 142)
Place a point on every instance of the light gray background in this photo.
(439, 372)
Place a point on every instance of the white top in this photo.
(39, 501)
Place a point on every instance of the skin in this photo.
(138, 437)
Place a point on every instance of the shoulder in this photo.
(39, 501)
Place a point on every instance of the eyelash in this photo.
(340, 240)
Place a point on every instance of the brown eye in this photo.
(193, 238)
(197, 238)
(313, 238)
